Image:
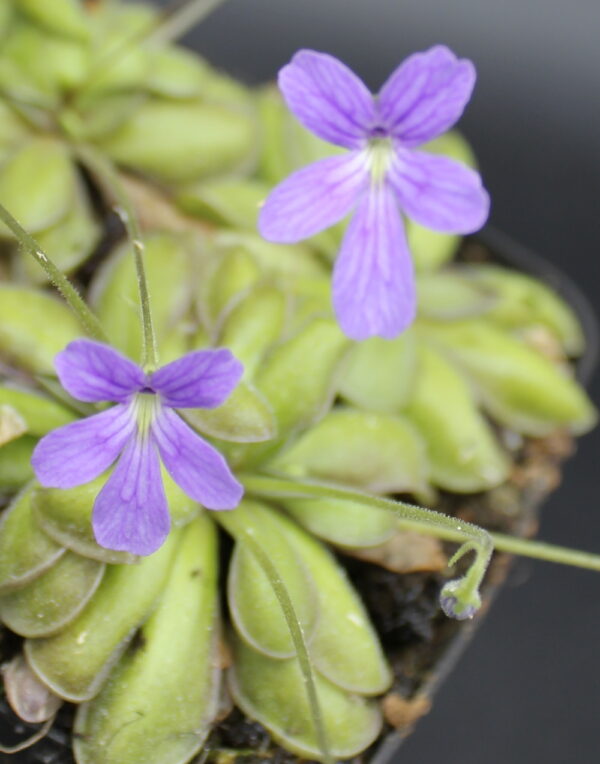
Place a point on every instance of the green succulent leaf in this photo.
(52, 66)
(285, 263)
(228, 202)
(272, 692)
(298, 377)
(37, 185)
(119, 62)
(379, 375)
(75, 662)
(448, 295)
(463, 452)
(430, 249)
(177, 73)
(34, 327)
(523, 301)
(253, 324)
(26, 552)
(245, 417)
(68, 243)
(253, 605)
(273, 163)
(66, 516)
(344, 648)
(202, 140)
(375, 452)
(345, 523)
(95, 119)
(521, 388)
(15, 463)
(54, 599)
(40, 414)
(6, 14)
(234, 273)
(65, 17)
(297, 399)
(158, 703)
(13, 130)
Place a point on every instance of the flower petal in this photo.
(197, 467)
(313, 198)
(328, 98)
(373, 281)
(80, 451)
(130, 512)
(202, 379)
(426, 95)
(438, 192)
(91, 371)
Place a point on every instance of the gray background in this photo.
(528, 690)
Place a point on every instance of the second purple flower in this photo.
(381, 177)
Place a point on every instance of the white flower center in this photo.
(380, 152)
(145, 409)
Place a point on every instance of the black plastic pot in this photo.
(55, 747)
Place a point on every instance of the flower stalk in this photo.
(410, 517)
(109, 179)
(540, 550)
(431, 523)
(89, 323)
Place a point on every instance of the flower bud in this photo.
(459, 600)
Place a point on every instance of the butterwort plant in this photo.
(382, 177)
(318, 453)
(131, 513)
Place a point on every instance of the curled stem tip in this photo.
(425, 521)
(459, 598)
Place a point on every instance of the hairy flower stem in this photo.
(110, 181)
(539, 550)
(425, 521)
(245, 536)
(86, 318)
(429, 523)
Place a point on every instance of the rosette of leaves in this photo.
(75, 73)
(144, 648)
(135, 643)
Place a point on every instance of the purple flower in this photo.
(131, 512)
(373, 282)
